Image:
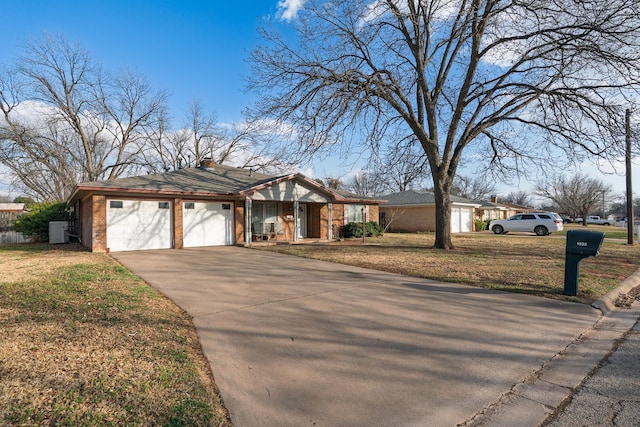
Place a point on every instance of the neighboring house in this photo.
(9, 213)
(411, 211)
(493, 210)
(208, 206)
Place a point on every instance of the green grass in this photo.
(610, 232)
(85, 343)
(515, 263)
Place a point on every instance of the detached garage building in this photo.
(413, 211)
(208, 206)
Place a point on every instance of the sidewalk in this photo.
(610, 396)
(595, 381)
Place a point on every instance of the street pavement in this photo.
(294, 342)
(610, 395)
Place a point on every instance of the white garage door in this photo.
(466, 219)
(461, 219)
(207, 224)
(455, 220)
(138, 224)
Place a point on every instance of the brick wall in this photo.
(239, 222)
(86, 223)
(99, 226)
(178, 237)
(410, 219)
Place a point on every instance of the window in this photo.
(265, 216)
(528, 216)
(163, 205)
(115, 204)
(544, 216)
(226, 206)
(189, 205)
(354, 213)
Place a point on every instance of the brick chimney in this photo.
(494, 199)
(207, 163)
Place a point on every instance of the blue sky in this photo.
(194, 49)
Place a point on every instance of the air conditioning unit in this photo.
(59, 232)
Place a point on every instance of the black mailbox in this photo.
(580, 244)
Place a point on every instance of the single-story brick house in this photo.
(490, 210)
(208, 206)
(413, 211)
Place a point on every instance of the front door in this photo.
(302, 221)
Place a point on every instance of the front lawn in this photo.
(515, 263)
(85, 343)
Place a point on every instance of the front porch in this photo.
(271, 221)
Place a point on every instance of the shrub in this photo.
(480, 224)
(36, 222)
(374, 229)
(354, 229)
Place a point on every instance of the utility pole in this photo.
(628, 167)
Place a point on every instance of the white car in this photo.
(541, 223)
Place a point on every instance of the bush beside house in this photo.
(36, 222)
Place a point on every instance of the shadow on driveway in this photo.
(295, 342)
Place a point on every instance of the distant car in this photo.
(567, 220)
(594, 219)
(541, 223)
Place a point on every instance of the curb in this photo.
(607, 302)
(542, 393)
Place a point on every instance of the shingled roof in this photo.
(413, 197)
(215, 181)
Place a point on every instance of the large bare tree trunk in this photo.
(443, 218)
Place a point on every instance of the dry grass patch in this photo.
(524, 264)
(84, 342)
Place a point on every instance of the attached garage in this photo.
(138, 224)
(461, 219)
(207, 224)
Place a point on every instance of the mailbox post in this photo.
(580, 244)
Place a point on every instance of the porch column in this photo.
(296, 216)
(330, 221)
(248, 213)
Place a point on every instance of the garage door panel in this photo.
(466, 220)
(207, 224)
(138, 224)
(455, 220)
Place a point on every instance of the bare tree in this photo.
(512, 79)
(65, 121)
(403, 166)
(243, 144)
(332, 183)
(476, 188)
(366, 184)
(576, 195)
(519, 197)
(391, 215)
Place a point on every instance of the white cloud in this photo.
(289, 8)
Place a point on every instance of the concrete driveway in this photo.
(296, 342)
